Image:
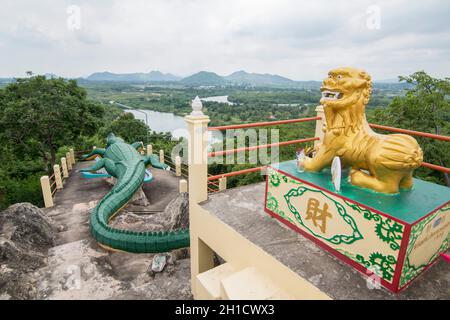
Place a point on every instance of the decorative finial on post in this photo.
(197, 107)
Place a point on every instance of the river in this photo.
(162, 122)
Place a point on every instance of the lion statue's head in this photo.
(345, 87)
(346, 92)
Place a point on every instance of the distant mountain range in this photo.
(152, 76)
(206, 79)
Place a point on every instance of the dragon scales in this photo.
(123, 161)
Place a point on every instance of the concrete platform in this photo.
(78, 268)
(241, 210)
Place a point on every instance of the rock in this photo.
(28, 226)
(158, 263)
(26, 234)
(178, 212)
(140, 199)
(174, 217)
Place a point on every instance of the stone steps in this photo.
(226, 283)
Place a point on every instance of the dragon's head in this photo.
(111, 139)
(345, 87)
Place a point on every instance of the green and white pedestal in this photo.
(392, 238)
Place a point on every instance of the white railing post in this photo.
(222, 183)
(202, 258)
(58, 179)
(183, 186)
(319, 125)
(64, 167)
(197, 124)
(161, 156)
(149, 149)
(68, 161)
(178, 166)
(46, 191)
(72, 156)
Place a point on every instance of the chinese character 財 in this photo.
(316, 214)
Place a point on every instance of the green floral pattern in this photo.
(335, 239)
(377, 261)
(272, 205)
(386, 229)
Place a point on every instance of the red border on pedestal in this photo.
(394, 286)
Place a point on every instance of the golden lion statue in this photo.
(383, 163)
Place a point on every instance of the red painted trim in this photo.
(431, 212)
(262, 124)
(235, 173)
(403, 247)
(435, 167)
(411, 132)
(342, 197)
(280, 144)
(332, 251)
(401, 257)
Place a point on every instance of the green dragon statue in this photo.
(124, 162)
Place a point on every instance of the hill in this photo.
(204, 78)
(152, 76)
(258, 79)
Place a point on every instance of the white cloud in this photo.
(298, 39)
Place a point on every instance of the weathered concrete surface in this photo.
(243, 210)
(75, 267)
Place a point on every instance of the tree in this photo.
(425, 107)
(39, 115)
(128, 128)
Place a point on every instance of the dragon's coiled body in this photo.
(123, 162)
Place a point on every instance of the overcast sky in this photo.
(301, 40)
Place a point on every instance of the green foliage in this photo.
(425, 107)
(40, 120)
(39, 115)
(126, 127)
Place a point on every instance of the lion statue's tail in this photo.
(400, 152)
